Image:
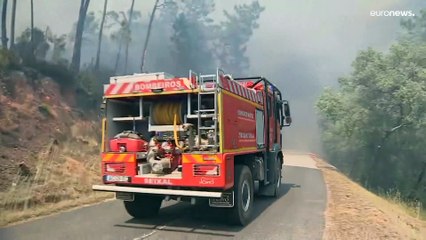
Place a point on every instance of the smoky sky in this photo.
(301, 45)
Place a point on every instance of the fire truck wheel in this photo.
(241, 213)
(143, 206)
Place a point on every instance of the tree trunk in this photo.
(3, 25)
(117, 59)
(32, 29)
(129, 37)
(151, 19)
(12, 25)
(98, 53)
(76, 56)
(418, 183)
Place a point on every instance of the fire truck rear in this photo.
(211, 137)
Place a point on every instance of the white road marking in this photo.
(150, 234)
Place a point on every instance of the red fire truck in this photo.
(211, 137)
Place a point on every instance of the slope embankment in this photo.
(48, 149)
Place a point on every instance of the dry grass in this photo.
(61, 178)
(10, 217)
(355, 213)
(49, 154)
(413, 208)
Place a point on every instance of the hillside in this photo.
(355, 213)
(48, 148)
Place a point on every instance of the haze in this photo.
(302, 46)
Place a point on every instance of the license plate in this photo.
(227, 200)
(109, 178)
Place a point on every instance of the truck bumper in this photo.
(157, 191)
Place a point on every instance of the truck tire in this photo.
(241, 213)
(143, 206)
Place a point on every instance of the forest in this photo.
(374, 123)
(174, 37)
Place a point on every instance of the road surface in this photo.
(297, 214)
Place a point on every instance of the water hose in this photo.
(164, 113)
(175, 134)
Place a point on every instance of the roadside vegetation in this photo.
(355, 213)
(374, 123)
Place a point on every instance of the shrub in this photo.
(59, 73)
(8, 60)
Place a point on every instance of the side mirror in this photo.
(286, 119)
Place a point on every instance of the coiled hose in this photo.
(163, 113)
(167, 114)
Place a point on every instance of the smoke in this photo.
(302, 46)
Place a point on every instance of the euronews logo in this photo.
(392, 13)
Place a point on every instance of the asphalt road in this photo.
(297, 214)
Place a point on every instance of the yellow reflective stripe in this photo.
(240, 149)
(103, 134)
(221, 135)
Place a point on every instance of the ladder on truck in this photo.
(207, 86)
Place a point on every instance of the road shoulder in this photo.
(354, 213)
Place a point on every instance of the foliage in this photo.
(31, 51)
(59, 47)
(119, 23)
(59, 73)
(374, 125)
(46, 111)
(198, 43)
(89, 89)
(190, 37)
(234, 34)
(7, 60)
(415, 27)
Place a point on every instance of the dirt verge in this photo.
(9, 217)
(355, 213)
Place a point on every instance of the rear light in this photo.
(115, 167)
(206, 170)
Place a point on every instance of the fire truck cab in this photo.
(211, 137)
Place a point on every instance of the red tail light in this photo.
(206, 170)
(115, 167)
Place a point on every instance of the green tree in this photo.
(121, 33)
(415, 27)
(59, 47)
(32, 45)
(234, 34)
(374, 125)
(191, 40)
